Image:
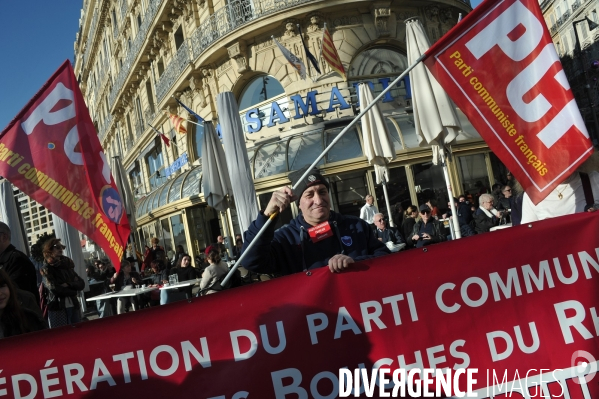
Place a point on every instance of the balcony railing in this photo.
(575, 5)
(105, 127)
(177, 65)
(90, 36)
(553, 29)
(559, 22)
(235, 14)
(566, 15)
(134, 50)
(150, 113)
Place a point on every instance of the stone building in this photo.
(133, 56)
(566, 19)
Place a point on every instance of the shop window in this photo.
(179, 232)
(347, 192)
(347, 147)
(304, 149)
(271, 159)
(166, 238)
(398, 191)
(474, 176)
(429, 183)
(260, 89)
(135, 180)
(499, 170)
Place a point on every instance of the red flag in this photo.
(500, 67)
(329, 53)
(51, 152)
(162, 136)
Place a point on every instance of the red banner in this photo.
(522, 311)
(500, 67)
(51, 152)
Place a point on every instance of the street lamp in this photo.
(578, 47)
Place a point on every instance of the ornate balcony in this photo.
(235, 14)
(178, 63)
(136, 46)
(90, 36)
(575, 5)
(105, 127)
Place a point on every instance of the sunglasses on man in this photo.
(56, 246)
(424, 212)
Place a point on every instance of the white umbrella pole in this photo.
(454, 212)
(387, 203)
(326, 150)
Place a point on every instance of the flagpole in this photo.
(299, 28)
(326, 150)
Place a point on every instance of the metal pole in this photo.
(326, 150)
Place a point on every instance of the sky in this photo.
(36, 41)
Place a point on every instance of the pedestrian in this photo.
(62, 284)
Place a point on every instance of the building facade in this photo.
(572, 24)
(133, 56)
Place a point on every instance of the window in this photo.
(114, 24)
(150, 96)
(156, 166)
(135, 179)
(179, 37)
(198, 137)
(259, 90)
(160, 66)
(138, 21)
(140, 118)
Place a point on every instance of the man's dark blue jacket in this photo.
(282, 252)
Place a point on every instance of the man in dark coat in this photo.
(318, 237)
(18, 266)
(384, 233)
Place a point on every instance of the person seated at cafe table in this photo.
(427, 230)
(213, 273)
(340, 241)
(486, 216)
(464, 217)
(384, 233)
(184, 272)
(102, 274)
(125, 279)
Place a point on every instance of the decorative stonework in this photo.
(238, 52)
(289, 29)
(381, 11)
(195, 84)
(210, 77)
(432, 13)
(347, 20)
(315, 22)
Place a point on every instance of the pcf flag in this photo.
(51, 152)
(500, 67)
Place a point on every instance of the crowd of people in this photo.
(317, 237)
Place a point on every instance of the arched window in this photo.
(256, 101)
(260, 89)
(378, 61)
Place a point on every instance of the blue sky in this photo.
(41, 38)
(36, 41)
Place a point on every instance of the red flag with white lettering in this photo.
(500, 67)
(51, 152)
